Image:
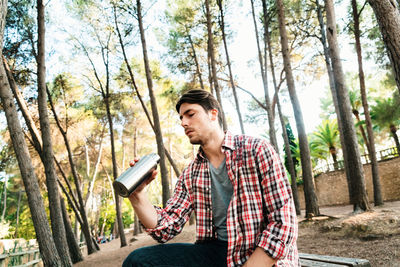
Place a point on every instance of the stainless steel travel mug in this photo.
(133, 177)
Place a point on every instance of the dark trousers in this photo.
(209, 253)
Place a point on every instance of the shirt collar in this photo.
(228, 143)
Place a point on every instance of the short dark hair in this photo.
(203, 98)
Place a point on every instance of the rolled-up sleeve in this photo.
(280, 233)
(173, 217)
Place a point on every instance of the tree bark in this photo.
(388, 16)
(47, 246)
(156, 120)
(312, 208)
(57, 223)
(378, 200)
(74, 250)
(211, 52)
(228, 62)
(358, 195)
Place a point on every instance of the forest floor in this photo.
(373, 235)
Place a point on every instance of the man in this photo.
(238, 189)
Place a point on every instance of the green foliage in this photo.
(293, 148)
(20, 38)
(386, 112)
(127, 214)
(325, 140)
(107, 215)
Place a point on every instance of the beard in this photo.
(195, 141)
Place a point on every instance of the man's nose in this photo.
(183, 122)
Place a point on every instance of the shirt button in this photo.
(208, 230)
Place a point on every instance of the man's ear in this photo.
(214, 114)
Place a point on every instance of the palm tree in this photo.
(386, 115)
(327, 135)
(356, 105)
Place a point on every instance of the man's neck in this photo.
(212, 149)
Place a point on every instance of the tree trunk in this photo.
(311, 200)
(271, 116)
(388, 16)
(228, 61)
(115, 173)
(362, 131)
(4, 199)
(393, 131)
(81, 207)
(271, 130)
(47, 246)
(35, 135)
(333, 89)
(378, 200)
(57, 223)
(74, 250)
(198, 72)
(18, 209)
(292, 169)
(211, 52)
(358, 195)
(156, 120)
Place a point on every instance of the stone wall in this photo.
(332, 186)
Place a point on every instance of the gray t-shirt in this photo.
(221, 194)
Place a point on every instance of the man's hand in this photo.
(143, 208)
(259, 259)
(138, 193)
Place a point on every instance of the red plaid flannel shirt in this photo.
(261, 212)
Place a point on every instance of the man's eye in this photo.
(190, 115)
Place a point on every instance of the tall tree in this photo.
(356, 103)
(184, 47)
(388, 15)
(290, 159)
(47, 246)
(47, 156)
(328, 63)
(136, 89)
(153, 102)
(61, 82)
(228, 62)
(312, 208)
(263, 70)
(371, 142)
(212, 58)
(358, 194)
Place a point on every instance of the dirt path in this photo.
(372, 235)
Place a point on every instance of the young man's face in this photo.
(197, 122)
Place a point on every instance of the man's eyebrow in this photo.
(187, 111)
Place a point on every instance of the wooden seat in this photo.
(311, 260)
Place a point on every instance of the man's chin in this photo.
(195, 141)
